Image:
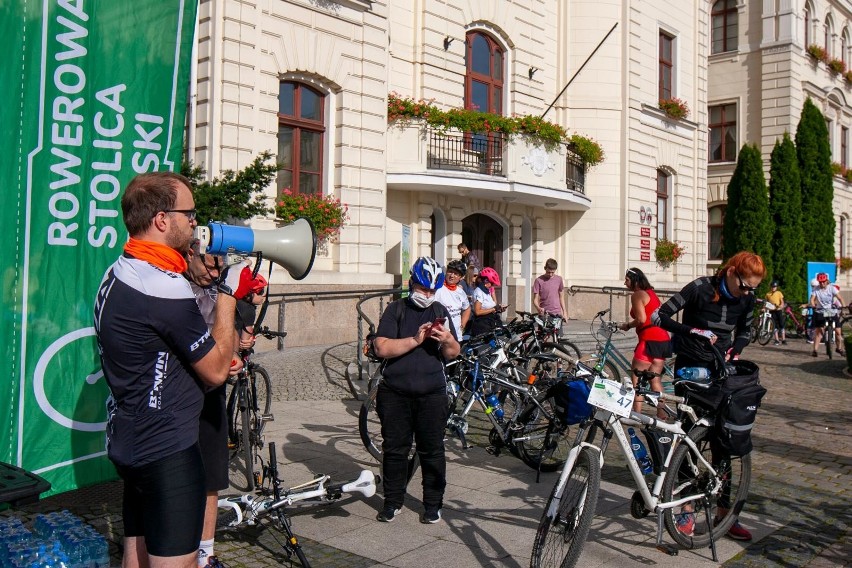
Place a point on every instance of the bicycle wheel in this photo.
(246, 444)
(290, 544)
(571, 348)
(792, 330)
(568, 353)
(688, 476)
(370, 429)
(767, 328)
(239, 432)
(541, 442)
(560, 539)
(262, 389)
(828, 334)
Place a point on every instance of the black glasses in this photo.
(745, 287)
(190, 213)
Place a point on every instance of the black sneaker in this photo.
(388, 514)
(431, 516)
(214, 562)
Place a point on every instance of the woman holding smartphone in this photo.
(485, 308)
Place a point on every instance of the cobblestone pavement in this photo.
(800, 479)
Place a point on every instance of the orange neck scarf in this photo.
(160, 255)
(450, 287)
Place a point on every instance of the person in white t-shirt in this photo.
(453, 296)
(824, 297)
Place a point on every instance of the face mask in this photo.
(421, 300)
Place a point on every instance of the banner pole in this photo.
(580, 69)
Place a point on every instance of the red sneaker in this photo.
(739, 532)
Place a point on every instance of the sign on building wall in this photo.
(95, 93)
(406, 254)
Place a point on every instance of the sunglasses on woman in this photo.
(743, 286)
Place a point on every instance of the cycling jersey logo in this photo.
(200, 341)
(155, 397)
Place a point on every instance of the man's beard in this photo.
(178, 241)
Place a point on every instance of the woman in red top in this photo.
(655, 345)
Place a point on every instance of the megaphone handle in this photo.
(259, 256)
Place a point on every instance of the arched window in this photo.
(301, 138)
(844, 46)
(483, 82)
(828, 29)
(842, 229)
(807, 25)
(483, 91)
(664, 185)
(723, 19)
(715, 221)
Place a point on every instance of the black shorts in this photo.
(778, 318)
(164, 502)
(213, 439)
(652, 350)
(820, 320)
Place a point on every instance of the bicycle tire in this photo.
(548, 446)
(571, 347)
(246, 443)
(238, 425)
(370, 429)
(262, 389)
(828, 334)
(559, 541)
(793, 331)
(685, 474)
(767, 328)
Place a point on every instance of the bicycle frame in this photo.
(612, 424)
(608, 351)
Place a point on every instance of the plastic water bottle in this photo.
(493, 405)
(693, 373)
(640, 453)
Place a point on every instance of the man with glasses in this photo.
(717, 311)
(824, 297)
(158, 356)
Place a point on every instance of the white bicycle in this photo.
(687, 475)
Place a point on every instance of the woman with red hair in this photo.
(717, 310)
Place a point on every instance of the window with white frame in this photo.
(666, 64)
(664, 186)
(301, 136)
(715, 222)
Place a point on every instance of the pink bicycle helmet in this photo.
(822, 277)
(491, 275)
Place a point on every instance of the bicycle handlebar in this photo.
(269, 333)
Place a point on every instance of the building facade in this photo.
(764, 63)
(310, 81)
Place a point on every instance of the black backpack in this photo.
(369, 347)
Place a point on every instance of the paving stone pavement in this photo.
(800, 480)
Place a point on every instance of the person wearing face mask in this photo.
(416, 335)
(716, 310)
(453, 296)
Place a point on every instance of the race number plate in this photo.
(609, 395)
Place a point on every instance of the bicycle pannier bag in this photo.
(569, 398)
(742, 394)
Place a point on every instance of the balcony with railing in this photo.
(489, 166)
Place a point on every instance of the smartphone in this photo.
(439, 322)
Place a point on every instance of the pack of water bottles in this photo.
(57, 540)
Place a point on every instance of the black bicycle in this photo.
(248, 407)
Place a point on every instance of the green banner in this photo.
(97, 93)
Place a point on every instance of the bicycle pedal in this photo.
(669, 549)
(493, 450)
(267, 418)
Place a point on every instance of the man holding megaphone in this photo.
(158, 355)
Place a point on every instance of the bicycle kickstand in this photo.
(709, 521)
(669, 549)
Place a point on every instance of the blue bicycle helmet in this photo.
(427, 273)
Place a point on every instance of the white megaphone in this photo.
(293, 246)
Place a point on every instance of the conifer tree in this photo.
(814, 153)
(785, 206)
(747, 224)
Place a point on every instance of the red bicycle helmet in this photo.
(822, 277)
(491, 275)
